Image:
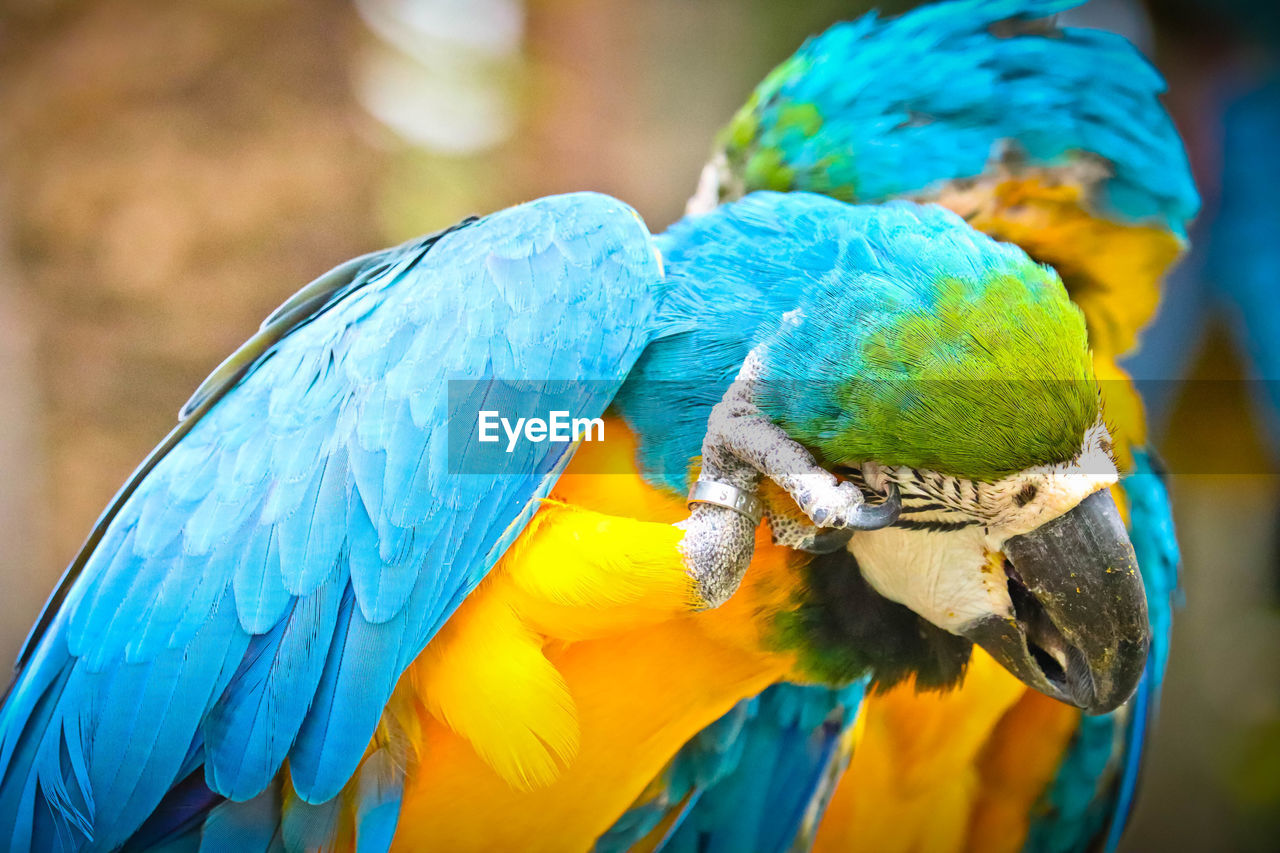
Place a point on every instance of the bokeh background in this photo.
(169, 172)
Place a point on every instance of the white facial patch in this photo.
(1028, 499)
(942, 559)
(944, 576)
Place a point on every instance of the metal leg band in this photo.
(730, 497)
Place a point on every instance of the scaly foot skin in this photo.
(717, 547)
(741, 446)
(799, 534)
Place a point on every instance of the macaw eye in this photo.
(1026, 495)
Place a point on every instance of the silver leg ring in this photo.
(730, 497)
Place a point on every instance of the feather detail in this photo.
(486, 678)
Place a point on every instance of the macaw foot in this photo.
(800, 534)
(741, 446)
(717, 546)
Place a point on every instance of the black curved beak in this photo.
(1079, 631)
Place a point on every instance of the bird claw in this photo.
(740, 447)
(839, 504)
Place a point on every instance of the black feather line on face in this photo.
(910, 506)
(843, 629)
(936, 526)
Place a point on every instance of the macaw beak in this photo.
(1079, 630)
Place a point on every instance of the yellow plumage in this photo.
(486, 678)
(578, 574)
(565, 682)
(1017, 763)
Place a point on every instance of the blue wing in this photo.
(1088, 804)
(748, 781)
(257, 591)
(700, 763)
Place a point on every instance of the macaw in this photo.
(1052, 138)
(330, 612)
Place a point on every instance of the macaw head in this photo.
(955, 367)
(1050, 137)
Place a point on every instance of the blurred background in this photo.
(169, 172)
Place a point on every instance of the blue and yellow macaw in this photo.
(334, 610)
(1052, 138)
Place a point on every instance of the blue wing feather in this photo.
(244, 827)
(363, 665)
(378, 795)
(785, 753)
(747, 781)
(258, 582)
(262, 583)
(309, 826)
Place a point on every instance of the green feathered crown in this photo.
(967, 358)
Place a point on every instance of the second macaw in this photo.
(1052, 138)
